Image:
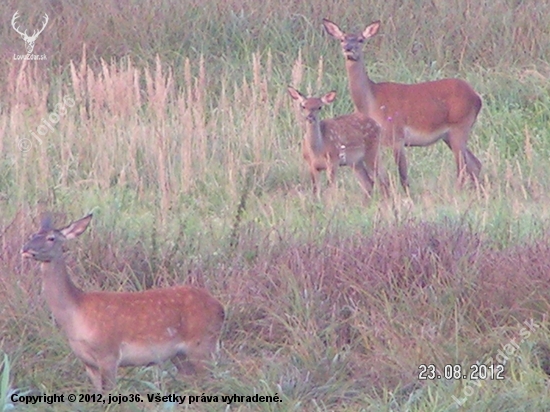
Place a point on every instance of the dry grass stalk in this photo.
(159, 87)
(199, 118)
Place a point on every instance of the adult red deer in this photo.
(111, 329)
(412, 114)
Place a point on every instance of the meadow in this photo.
(170, 121)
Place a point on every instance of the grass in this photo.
(174, 128)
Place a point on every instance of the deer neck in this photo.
(314, 137)
(62, 296)
(360, 86)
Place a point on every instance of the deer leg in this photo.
(473, 164)
(365, 178)
(460, 162)
(95, 376)
(184, 365)
(331, 173)
(194, 361)
(103, 374)
(107, 368)
(375, 168)
(401, 161)
(382, 176)
(314, 173)
(466, 161)
(393, 136)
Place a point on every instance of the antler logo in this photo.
(29, 40)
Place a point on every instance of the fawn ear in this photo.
(295, 94)
(76, 228)
(329, 97)
(46, 221)
(371, 29)
(333, 29)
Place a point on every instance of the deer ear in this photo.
(46, 221)
(371, 29)
(333, 29)
(329, 97)
(295, 94)
(77, 227)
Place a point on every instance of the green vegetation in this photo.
(170, 121)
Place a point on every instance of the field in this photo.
(170, 121)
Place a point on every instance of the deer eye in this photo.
(50, 238)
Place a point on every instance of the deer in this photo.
(417, 114)
(349, 140)
(106, 330)
(29, 40)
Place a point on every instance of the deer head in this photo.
(29, 40)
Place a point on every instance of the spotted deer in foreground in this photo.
(412, 114)
(111, 329)
(350, 140)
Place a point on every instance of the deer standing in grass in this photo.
(350, 140)
(111, 329)
(412, 114)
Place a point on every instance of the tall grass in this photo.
(170, 121)
(130, 133)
